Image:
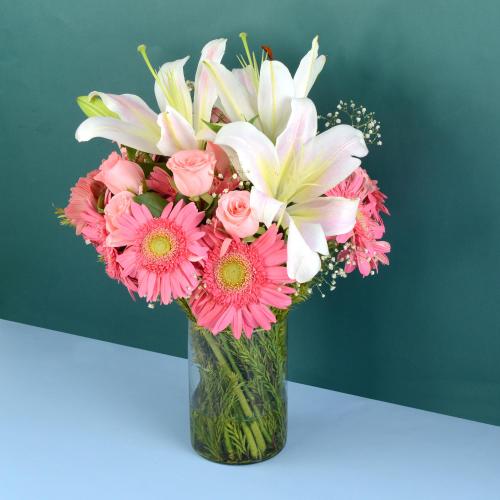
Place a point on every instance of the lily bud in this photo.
(93, 106)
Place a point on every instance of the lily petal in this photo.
(244, 76)
(173, 90)
(275, 91)
(205, 92)
(328, 159)
(301, 126)
(309, 68)
(124, 133)
(136, 126)
(205, 135)
(266, 208)
(176, 133)
(336, 215)
(257, 158)
(303, 263)
(313, 235)
(130, 108)
(234, 98)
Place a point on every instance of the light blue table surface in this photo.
(84, 419)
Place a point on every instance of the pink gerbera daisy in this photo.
(114, 270)
(82, 207)
(94, 230)
(160, 252)
(363, 248)
(240, 282)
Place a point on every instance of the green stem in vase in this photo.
(250, 398)
(255, 438)
(238, 393)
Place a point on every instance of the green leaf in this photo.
(179, 197)
(213, 126)
(131, 152)
(153, 201)
(93, 106)
(253, 119)
(61, 215)
(147, 167)
(208, 199)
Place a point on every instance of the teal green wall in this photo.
(425, 333)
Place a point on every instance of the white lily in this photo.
(181, 121)
(289, 179)
(265, 99)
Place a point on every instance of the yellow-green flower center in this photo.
(159, 244)
(233, 272)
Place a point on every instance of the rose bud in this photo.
(235, 214)
(193, 171)
(117, 206)
(120, 175)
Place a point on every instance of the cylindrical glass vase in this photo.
(238, 400)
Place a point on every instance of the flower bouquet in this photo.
(230, 202)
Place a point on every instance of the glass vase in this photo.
(238, 400)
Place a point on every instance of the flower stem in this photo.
(256, 440)
(250, 398)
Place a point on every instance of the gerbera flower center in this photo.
(158, 244)
(233, 272)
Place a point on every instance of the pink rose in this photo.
(120, 175)
(117, 206)
(193, 171)
(235, 214)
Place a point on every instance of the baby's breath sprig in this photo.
(357, 116)
(326, 280)
(331, 269)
